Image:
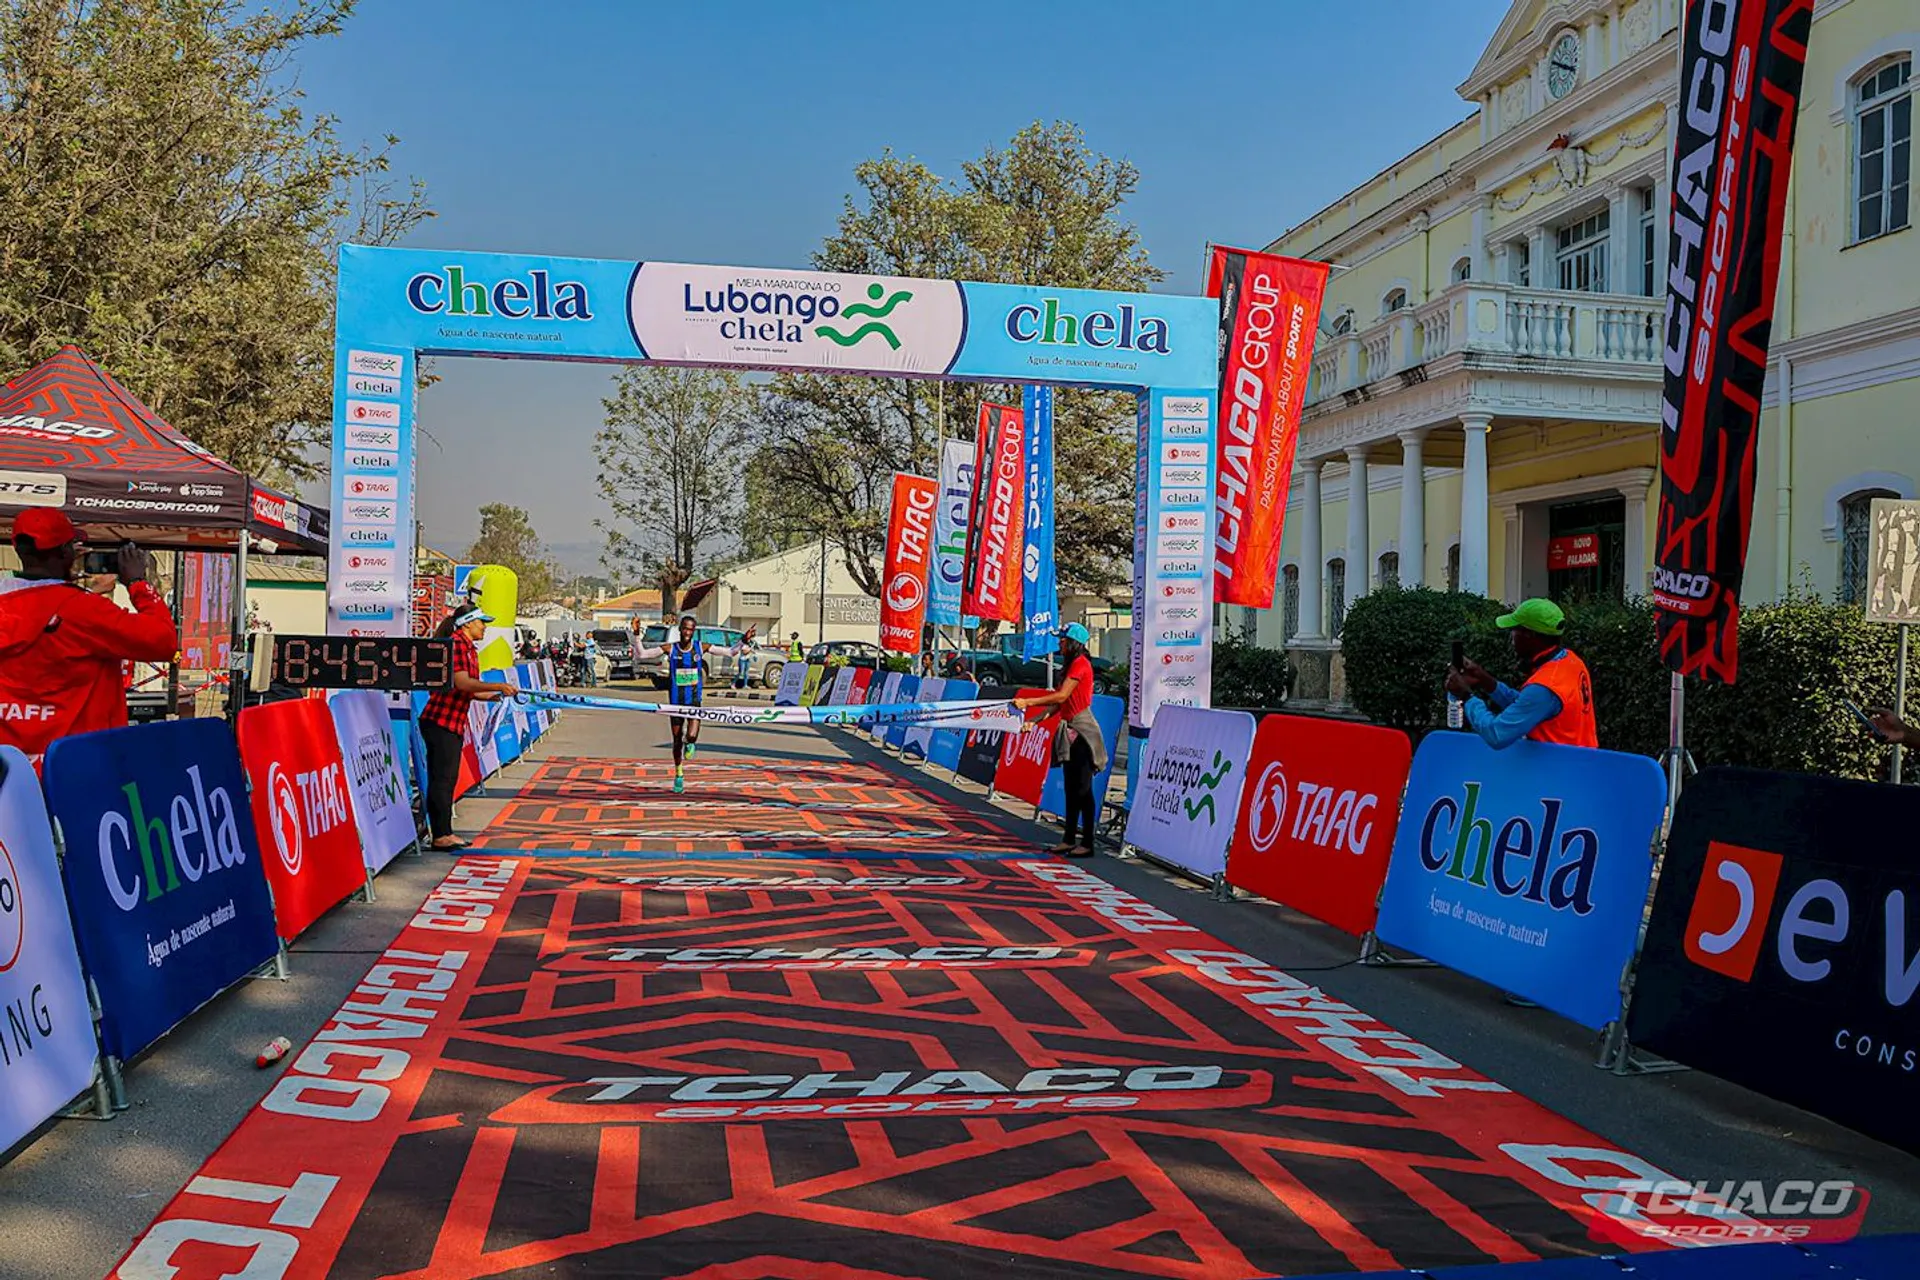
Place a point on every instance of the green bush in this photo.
(1798, 659)
(1245, 675)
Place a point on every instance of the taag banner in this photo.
(1740, 67)
(1025, 758)
(990, 586)
(1780, 952)
(1527, 868)
(953, 519)
(381, 806)
(1039, 602)
(862, 682)
(910, 552)
(1110, 713)
(1318, 817)
(1190, 782)
(46, 1026)
(1269, 313)
(302, 809)
(168, 897)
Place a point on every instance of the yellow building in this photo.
(1486, 380)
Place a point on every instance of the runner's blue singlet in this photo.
(684, 684)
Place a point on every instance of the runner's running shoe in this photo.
(679, 783)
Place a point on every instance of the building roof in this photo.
(291, 571)
(638, 598)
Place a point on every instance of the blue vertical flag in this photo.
(1039, 598)
(950, 520)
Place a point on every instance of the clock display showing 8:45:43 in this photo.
(362, 662)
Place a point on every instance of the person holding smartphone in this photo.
(62, 643)
(1890, 727)
(1554, 704)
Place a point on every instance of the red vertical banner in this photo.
(1269, 313)
(903, 587)
(1740, 72)
(309, 843)
(996, 536)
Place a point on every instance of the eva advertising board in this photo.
(46, 1026)
(376, 781)
(979, 758)
(1025, 757)
(920, 736)
(1109, 713)
(1318, 816)
(1190, 783)
(1781, 950)
(302, 809)
(943, 748)
(1526, 868)
(908, 690)
(168, 898)
(793, 678)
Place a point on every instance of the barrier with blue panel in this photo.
(944, 748)
(1111, 713)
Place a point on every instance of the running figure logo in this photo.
(875, 325)
(1208, 781)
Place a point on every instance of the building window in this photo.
(1521, 256)
(1453, 567)
(1289, 602)
(1389, 568)
(1856, 511)
(1462, 270)
(1336, 596)
(756, 599)
(1582, 258)
(1883, 149)
(1396, 300)
(1342, 324)
(1647, 234)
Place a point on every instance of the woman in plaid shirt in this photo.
(443, 723)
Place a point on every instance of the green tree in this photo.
(167, 205)
(1045, 210)
(507, 538)
(671, 456)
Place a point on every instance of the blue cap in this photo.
(1075, 632)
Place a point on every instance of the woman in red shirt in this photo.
(443, 722)
(1078, 747)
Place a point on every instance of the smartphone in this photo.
(1459, 654)
(94, 562)
(1865, 719)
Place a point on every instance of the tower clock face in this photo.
(1563, 66)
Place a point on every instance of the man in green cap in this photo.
(1556, 702)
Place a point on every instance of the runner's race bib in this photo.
(686, 677)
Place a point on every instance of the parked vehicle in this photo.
(717, 666)
(616, 646)
(764, 665)
(848, 653)
(1003, 664)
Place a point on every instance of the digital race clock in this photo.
(362, 662)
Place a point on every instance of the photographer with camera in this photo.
(62, 643)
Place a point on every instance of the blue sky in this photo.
(728, 131)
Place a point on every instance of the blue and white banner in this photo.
(908, 691)
(1172, 655)
(944, 749)
(376, 782)
(793, 676)
(169, 899)
(1188, 796)
(920, 737)
(842, 687)
(1039, 598)
(997, 717)
(44, 1018)
(889, 688)
(950, 519)
(1527, 868)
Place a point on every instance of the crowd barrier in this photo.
(943, 746)
(375, 779)
(839, 694)
(793, 680)
(1317, 817)
(47, 1044)
(1110, 713)
(1025, 758)
(1187, 801)
(895, 731)
(979, 758)
(1781, 950)
(298, 779)
(810, 687)
(919, 737)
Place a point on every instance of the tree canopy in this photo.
(507, 538)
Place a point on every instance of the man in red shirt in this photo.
(61, 646)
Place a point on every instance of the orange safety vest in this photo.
(1566, 676)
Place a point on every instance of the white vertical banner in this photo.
(370, 552)
(1188, 797)
(43, 999)
(1172, 659)
(792, 677)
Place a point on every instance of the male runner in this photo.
(686, 686)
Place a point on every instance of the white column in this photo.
(1662, 220)
(1637, 580)
(1473, 503)
(1623, 241)
(1312, 567)
(1540, 253)
(1413, 509)
(1360, 571)
(1479, 248)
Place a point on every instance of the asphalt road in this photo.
(71, 1201)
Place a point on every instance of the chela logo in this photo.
(283, 804)
(13, 920)
(1268, 816)
(905, 591)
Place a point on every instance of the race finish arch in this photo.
(396, 305)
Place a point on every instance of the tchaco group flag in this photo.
(1733, 150)
(1269, 312)
(910, 547)
(995, 545)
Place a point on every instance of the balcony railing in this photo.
(1494, 319)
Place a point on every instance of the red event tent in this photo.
(72, 437)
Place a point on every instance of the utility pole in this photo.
(821, 636)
